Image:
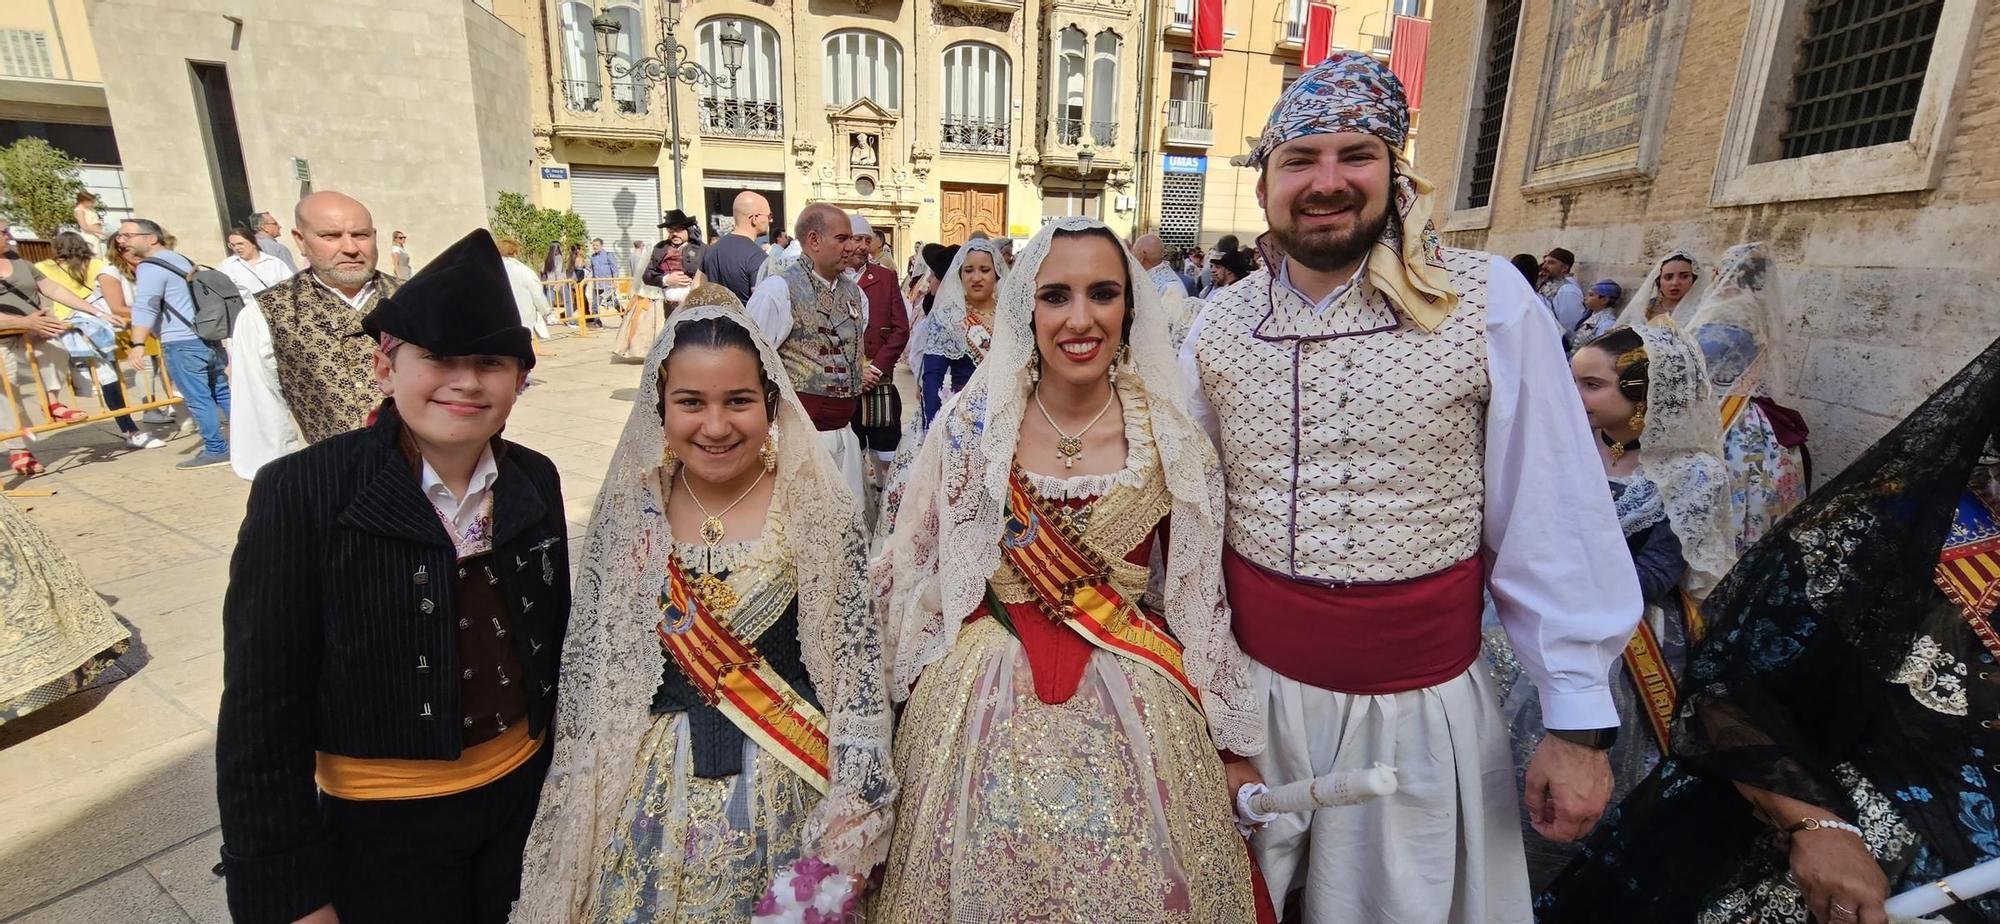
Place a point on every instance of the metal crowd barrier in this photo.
(566, 296)
(67, 392)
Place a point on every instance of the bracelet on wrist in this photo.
(1821, 824)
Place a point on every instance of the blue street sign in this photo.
(1186, 163)
(555, 173)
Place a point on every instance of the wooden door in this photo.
(969, 209)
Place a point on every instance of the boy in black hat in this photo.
(394, 622)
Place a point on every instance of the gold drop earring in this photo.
(667, 457)
(1638, 421)
(769, 453)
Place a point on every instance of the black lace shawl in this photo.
(1795, 690)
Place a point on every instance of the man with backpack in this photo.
(165, 302)
(302, 371)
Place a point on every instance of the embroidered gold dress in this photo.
(710, 817)
(1082, 788)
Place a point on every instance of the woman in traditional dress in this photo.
(1669, 291)
(961, 322)
(1763, 442)
(677, 794)
(58, 636)
(1837, 743)
(1056, 759)
(1647, 397)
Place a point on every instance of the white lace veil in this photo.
(947, 540)
(945, 335)
(612, 660)
(1737, 324)
(1634, 312)
(1681, 454)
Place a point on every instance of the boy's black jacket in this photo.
(328, 646)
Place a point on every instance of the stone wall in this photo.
(383, 98)
(1886, 295)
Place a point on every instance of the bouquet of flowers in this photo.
(809, 892)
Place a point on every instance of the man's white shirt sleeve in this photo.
(261, 427)
(771, 307)
(1557, 565)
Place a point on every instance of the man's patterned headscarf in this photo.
(1353, 92)
(1348, 92)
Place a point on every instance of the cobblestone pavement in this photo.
(107, 799)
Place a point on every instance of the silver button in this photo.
(468, 721)
(464, 623)
(427, 606)
(423, 663)
(426, 714)
(468, 673)
(423, 575)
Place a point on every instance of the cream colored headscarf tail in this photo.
(612, 659)
(934, 569)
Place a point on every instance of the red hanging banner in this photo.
(1319, 34)
(1208, 28)
(1408, 47)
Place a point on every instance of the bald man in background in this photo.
(733, 260)
(297, 369)
(1153, 256)
(817, 318)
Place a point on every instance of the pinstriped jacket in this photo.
(339, 636)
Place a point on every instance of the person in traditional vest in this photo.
(395, 617)
(817, 317)
(298, 373)
(878, 420)
(1399, 436)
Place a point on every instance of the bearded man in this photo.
(299, 365)
(1399, 435)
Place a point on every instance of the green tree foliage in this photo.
(536, 227)
(38, 185)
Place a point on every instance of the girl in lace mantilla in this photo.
(723, 711)
(1646, 396)
(1061, 747)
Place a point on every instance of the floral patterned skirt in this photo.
(1108, 808)
(1766, 479)
(688, 849)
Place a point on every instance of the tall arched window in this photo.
(754, 106)
(1104, 89)
(859, 64)
(1069, 85)
(626, 47)
(583, 76)
(978, 97)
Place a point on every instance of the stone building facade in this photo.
(935, 119)
(1862, 143)
(419, 110)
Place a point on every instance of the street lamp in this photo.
(670, 62)
(1084, 156)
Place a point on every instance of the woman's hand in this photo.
(324, 915)
(1841, 880)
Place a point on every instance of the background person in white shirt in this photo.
(251, 269)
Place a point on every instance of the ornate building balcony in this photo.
(742, 118)
(1072, 132)
(975, 135)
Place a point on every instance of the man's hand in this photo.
(677, 280)
(324, 915)
(870, 376)
(136, 357)
(1568, 785)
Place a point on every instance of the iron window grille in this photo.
(1506, 21)
(1859, 74)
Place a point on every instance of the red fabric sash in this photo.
(1364, 638)
(829, 413)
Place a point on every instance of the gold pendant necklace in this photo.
(1070, 448)
(714, 592)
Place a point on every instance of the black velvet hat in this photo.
(1240, 262)
(675, 218)
(939, 256)
(459, 304)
